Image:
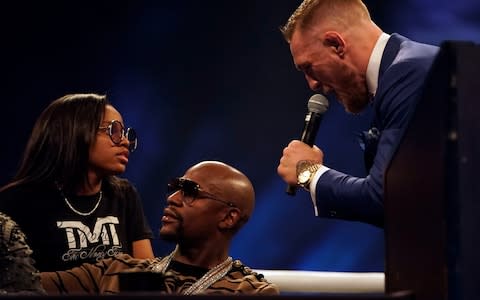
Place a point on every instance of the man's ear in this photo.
(336, 42)
(231, 219)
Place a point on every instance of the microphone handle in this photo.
(312, 123)
(291, 190)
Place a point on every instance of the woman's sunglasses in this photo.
(117, 132)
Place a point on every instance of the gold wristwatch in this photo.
(305, 172)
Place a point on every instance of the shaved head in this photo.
(225, 182)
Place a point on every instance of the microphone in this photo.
(317, 106)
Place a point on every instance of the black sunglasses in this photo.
(191, 191)
(117, 132)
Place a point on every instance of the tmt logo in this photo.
(79, 235)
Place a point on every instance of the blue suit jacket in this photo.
(403, 70)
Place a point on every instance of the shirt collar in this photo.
(373, 67)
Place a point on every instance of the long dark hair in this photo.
(58, 148)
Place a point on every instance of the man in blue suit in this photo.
(345, 55)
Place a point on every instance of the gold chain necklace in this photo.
(83, 213)
(212, 276)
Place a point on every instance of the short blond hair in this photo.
(339, 12)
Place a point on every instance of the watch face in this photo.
(304, 176)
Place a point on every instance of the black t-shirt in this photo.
(62, 239)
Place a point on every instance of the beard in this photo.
(170, 234)
(355, 98)
(356, 103)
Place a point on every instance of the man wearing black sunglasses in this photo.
(205, 209)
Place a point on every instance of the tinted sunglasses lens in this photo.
(116, 132)
(132, 139)
(173, 186)
(188, 187)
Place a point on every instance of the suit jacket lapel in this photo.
(390, 52)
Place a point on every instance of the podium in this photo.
(432, 191)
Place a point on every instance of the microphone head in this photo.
(318, 104)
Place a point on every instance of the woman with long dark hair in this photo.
(66, 195)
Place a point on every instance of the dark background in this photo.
(206, 80)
